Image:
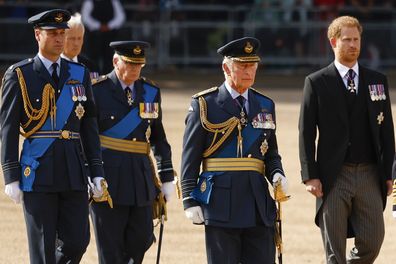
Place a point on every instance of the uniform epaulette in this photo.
(99, 79)
(20, 64)
(258, 92)
(146, 80)
(210, 90)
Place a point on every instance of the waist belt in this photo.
(131, 146)
(61, 134)
(233, 164)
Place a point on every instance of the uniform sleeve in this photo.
(193, 148)
(307, 132)
(10, 115)
(161, 148)
(90, 134)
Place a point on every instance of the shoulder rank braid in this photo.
(225, 129)
(40, 115)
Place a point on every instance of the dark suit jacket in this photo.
(237, 196)
(61, 167)
(324, 111)
(130, 175)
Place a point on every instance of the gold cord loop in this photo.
(225, 129)
(48, 104)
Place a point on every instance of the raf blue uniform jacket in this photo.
(130, 175)
(238, 198)
(62, 165)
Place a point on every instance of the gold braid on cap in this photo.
(48, 103)
(225, 128)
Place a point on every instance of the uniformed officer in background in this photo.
(49, 101)
(230, 130)
(130, 124)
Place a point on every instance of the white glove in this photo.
(394, 214)
(97, 188)
(283, 179)
(195, 214)
(14, 192)
(168, 189)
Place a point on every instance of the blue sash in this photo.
(35, 149)
(126, 126)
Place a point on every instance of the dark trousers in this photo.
(354, 198)
(254, 245)
(122, 233)
(57, 226)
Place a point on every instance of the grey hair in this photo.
(75, 21)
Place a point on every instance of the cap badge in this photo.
(137, 50)
(59, 18)
(248, 47)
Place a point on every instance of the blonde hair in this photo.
(334, 30)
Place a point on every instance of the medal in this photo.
(149, 110)
(380, 118)
(79, 111)
(148, 132)
(264, 147)
(129, 97)
(243, 118)
(351, 87)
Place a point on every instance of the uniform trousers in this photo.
(122, 233)
(355, 199)
(253, 245)
(57, 225)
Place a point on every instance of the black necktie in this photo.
(351, 81)
(54, 75)
(128, 94)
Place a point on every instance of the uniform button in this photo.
(37, 100)
(112, 117)
(250, 155)
(134, 139)
(58, 91)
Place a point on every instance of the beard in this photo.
(349, 56)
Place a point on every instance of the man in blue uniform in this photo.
(130, 124)
(230, 131)
(49, 101)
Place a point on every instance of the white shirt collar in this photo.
(235, 94)
(48, 64)
(123, 85)
(343, 70)
(67, 58)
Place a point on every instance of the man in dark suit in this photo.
(73, 44)
(346, 108)
(130, 124)
(230, 131)
(51, 100)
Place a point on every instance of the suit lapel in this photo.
(139, 91)
(42, 72)
(372, 109)
(254, 106)
(336, 83)
(64, 73)
(226, 102)
(117, 91)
